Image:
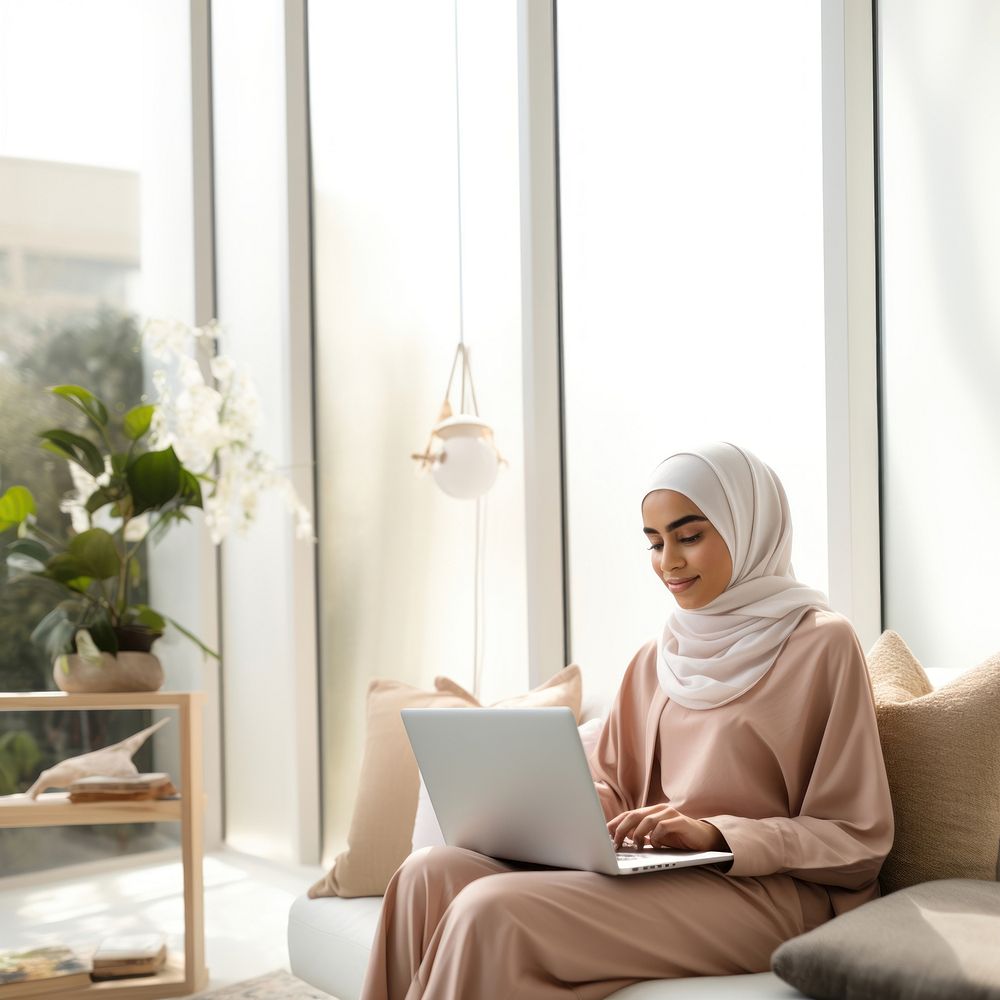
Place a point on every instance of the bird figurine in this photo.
(109, 762)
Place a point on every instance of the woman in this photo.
(749, 726)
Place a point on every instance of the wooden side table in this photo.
(179, 978)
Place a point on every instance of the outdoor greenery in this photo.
(103, 349)
(100, 349)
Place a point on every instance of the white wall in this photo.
(940, 145)
(396, 554)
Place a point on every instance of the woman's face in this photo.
(687, 553)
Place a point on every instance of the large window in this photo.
(692, 273)
(398, 557)
(95, 233)
(939, 81)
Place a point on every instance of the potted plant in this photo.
(134, 477)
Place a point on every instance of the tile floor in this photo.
(246, 905)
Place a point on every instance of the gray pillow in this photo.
(934, 941)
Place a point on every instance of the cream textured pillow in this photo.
(942, 757)
(382, 822)
(381, 830)
(563, 689)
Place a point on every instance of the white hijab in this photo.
(712, 655)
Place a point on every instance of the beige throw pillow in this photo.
(381, 830)
(379, 835)
(564, 688)
(942, 757)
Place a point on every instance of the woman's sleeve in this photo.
(844, 827)
(617, 763)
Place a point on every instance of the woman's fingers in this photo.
(661, 831)
(624, 826)
(621, 827)
(637, 824)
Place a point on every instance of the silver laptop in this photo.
(513, 783)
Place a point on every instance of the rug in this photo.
(277, 985)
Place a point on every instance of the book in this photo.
(135, 788)
(39, 972)
(126, 955)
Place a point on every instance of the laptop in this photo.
(513, 783)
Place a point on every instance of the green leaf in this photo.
(103, 635)
(27, 554)
(15, 505)
(163, 523)
(150, 618)
(21, 746)
(55, 632)
(74, 448)
(63, 567)
(119, 462)
(190, 489)
(154, 479)
(102, 497)
(180, 628)
(29, 547)
(85, 401)
(49, 622)
(136, 422)
(8, 776)
(19, 754)
(95, 554)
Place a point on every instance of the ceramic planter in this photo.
(128, 671)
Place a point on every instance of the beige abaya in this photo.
(790, 772)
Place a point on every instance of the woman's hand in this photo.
(664, 826)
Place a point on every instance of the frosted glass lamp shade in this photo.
(467, 463)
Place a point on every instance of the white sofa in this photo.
(329, 941)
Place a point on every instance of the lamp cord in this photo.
(479, 583)
(458, 175)
(428, 458)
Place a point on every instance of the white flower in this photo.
(212, 428)
(222, 368)
(167, 338)
(75, 503)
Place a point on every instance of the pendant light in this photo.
(460, 452)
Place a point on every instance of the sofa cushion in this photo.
(329, 941)
(562, 689)
(942, 757)
(935, 941)
(379, 835)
